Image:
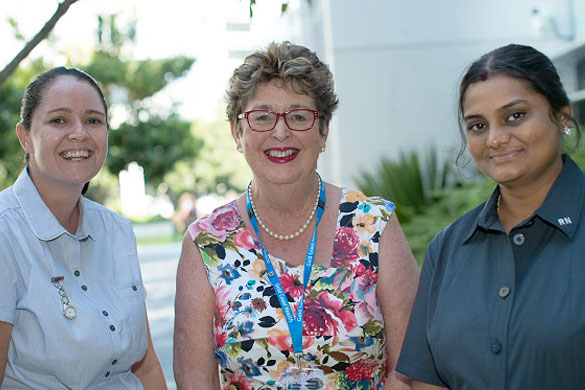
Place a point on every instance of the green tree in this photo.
(217, 165)
(153, 140)
(62, 8)
(11, 154)
(156, 144)
(44, 32)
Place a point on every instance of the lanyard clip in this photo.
(299, 358)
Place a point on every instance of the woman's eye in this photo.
(516, 116)
(299, 118)
(95, 121)
(58, 121)
(476, 127)
(260, 117)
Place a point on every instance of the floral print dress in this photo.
(343, 327)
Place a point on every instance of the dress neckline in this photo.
(281, 262)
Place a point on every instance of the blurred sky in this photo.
(164, 28)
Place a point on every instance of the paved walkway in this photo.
(158, 263)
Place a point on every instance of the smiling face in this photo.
(510, 133)
(68, 138)
(280, 155)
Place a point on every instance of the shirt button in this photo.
(76, 273)
(504, 291)
(84, 287)
(114, 361)
(518, 239)
(105, 313)
(112, 328)
(134, 287)
(107, 374)
(496, 347)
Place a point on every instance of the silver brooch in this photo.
(69, 311)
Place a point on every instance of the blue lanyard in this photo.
(295, 323)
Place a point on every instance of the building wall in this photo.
(397, 65)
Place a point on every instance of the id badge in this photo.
(304, 379)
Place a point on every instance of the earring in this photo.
(239, 148)
(566, 130)
(322, 149)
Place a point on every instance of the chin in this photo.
(506, 179)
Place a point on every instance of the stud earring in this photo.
(322, 149)
(239, 148)
(566, 130)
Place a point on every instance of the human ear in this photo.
(24, 138)
(236, 135)
(565, 115)
(324, 132)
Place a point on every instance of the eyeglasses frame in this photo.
(246, 115)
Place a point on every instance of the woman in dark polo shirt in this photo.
(501, 300)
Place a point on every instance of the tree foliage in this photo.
(153, 140)
(217, 165)
(62, 9)
(11, 154)
(156, 144)
(46, 29)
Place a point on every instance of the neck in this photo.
(285, 223)
(62, 202)
(517, 203)
(286, 200)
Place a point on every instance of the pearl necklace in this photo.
(285, 237)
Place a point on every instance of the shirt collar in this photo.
(488, 216)
(561, 207)
(564, 203)
(40, 219)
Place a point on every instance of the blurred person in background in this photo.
(297, 283)
(501, 293)
(72, 311)
(186, 212)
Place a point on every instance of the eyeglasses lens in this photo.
(298, 120)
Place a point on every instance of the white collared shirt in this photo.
(102, 279)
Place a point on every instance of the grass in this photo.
(158, 240)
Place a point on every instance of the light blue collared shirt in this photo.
(102, 279)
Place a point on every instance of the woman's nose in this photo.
(78, 131)
(281, 131)
(497, 135)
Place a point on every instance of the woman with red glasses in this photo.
(298, 283)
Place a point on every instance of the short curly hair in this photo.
(298, 67)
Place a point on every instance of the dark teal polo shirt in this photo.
(497, 311)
